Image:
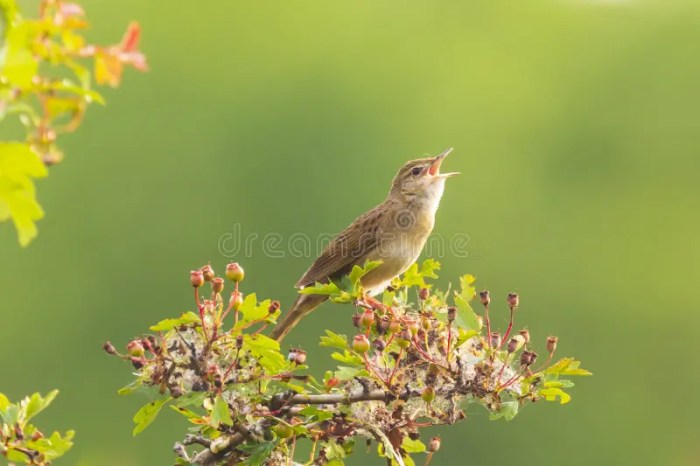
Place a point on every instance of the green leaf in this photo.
(466, 317)
(348, 373)
(567, 366)
(552, 393)
(147, 414)
(258, 452)
(358, 272)
(416, 276)
(507, 410)
(333, 340)
(131, 387)
(252, 311)
(186, 318)
(464, 336)
(220, 413)
(191, 415)
(267, 351)
(18, 166)
(20, 66)
(348, 358)
(412, 446)
(36, 404)
(315, 414)
(326, 289)
(54, 446)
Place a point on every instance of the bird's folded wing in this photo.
(349, 248)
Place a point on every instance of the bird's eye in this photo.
(416, 171)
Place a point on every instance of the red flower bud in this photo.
(485, 297)
(513, 300)
(379, 345)
(515, 343)
(207, 273)
(451, 313)
(109, 348)
(135, 348)
(552, 344)
(217, 285)
(527, 358)
(236, 300)
(428, 394)
(423, 294)
(425, 322)
(274, 306)
(367, 318)
(394, 326)
(360, 344)
(404, 339)
(434, 444)
(495, 340)
(234, 272)
(332, 382)
(525, 333)
(196, 278)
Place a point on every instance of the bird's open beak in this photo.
(434, 169)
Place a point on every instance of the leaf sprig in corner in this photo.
(46, 81)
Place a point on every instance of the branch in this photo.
(340, 398)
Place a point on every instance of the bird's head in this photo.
(421, 179)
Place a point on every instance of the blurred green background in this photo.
(576, 125)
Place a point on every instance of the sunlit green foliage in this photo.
(23, 442)
(47, 71)
(416, 361)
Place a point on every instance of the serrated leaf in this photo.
(326, 289)
(18, 166)
(266, 351)
(412, 446)
(147, 414)
(507, 410)
(415, 275)
(348, 373)
(333, 340)
(258, 452)
(348, 358)
(131, 387)
(34, 404)
(220, 413)
(54, 446)
(567, 366)
(552, 393)
(358, 272)
(186, 318)
(315, 413)
(193, 417)
(466, 317)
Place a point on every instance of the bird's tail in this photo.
(303, 305)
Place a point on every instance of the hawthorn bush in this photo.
(419, 356)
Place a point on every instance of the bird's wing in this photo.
(349, 248)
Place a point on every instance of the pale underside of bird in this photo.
(394, 232)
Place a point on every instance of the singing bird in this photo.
(394, 232)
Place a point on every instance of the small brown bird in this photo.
(394, 232)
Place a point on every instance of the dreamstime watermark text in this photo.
(238, 243)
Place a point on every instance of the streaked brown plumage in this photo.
(394, 232)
